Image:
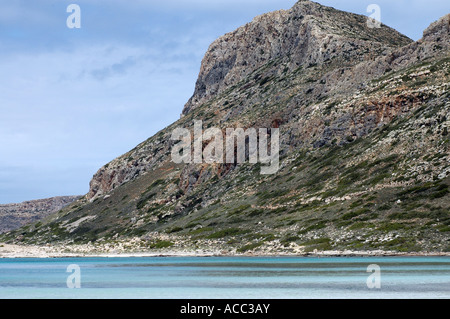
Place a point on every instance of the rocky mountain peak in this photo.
(438, 31)
(307, 34)
(306, 7)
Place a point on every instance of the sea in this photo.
(226, 278)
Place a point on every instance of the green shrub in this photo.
(174, 230)
(320, 244)
(200, 230)
(226, 232)
(387, 227)
(143, 201)
(161, 244)
(316, 226)
(358, 225)
(248, 247)
(287, 240)
(356, 213)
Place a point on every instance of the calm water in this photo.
(223, 277)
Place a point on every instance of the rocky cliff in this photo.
(13, 216)
(364, 147)
(307, 37)
(308, 34)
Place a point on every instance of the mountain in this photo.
(13, 216)
(363, 116)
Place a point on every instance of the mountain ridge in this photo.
(16, 215)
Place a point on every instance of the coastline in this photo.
(8, 251)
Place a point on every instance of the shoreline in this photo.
(8, 251)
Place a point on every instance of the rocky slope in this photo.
(363, 117)
(307, 38)
(13, 216)
(308, 34)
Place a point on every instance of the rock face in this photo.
(438, 31)
(364, 147)
(307, 34)
(13, 216)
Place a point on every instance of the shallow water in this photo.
(226, 277)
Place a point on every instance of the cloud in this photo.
(120, 68)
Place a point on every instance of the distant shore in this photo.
(18, 251)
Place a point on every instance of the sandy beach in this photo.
(19, 251)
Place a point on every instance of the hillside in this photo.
(13, 216)
(364, 148)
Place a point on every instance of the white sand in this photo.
(18, 251)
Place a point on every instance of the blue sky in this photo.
(71, 100)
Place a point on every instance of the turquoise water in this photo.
(226, 277)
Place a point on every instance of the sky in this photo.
(71, 100)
